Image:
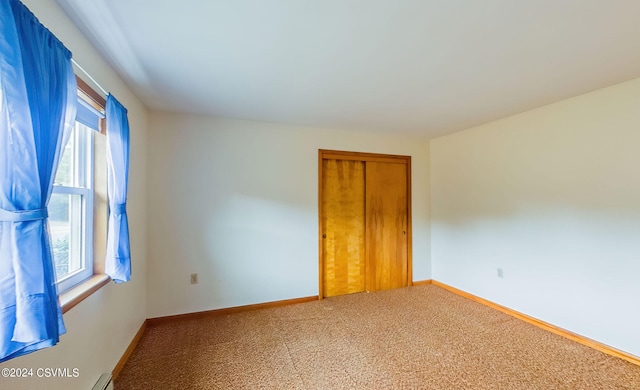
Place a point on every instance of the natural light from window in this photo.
(71, 210)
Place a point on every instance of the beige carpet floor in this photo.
(420, 337)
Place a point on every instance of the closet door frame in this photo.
(324, 154)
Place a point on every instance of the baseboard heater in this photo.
(104, 383)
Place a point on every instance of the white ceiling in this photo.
(426, 67)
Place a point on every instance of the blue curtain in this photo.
(118, 261)
(38, 108)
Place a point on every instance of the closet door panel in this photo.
(343, 224)
(386, 225)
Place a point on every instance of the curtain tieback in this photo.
(23, 215)
(120, 209)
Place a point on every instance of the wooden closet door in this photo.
(386, 225)
(343, 226)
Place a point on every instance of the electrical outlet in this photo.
(500, 273)
(194, 278)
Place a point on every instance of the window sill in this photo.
(79, 293)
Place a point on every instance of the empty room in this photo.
(348, 194)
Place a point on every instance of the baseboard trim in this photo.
(229, 310)
(127, 353)
(545, 325)
(422, 282)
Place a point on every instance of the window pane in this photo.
(65, 222)
(66, 172)
(82, 159)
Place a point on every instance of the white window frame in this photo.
(84, 260)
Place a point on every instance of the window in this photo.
(71, 210)
(71, 207)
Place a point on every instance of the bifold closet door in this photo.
(386, 227)
(343, 221)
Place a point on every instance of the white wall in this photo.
(552, 196)
(101, 327)
(237, 203)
